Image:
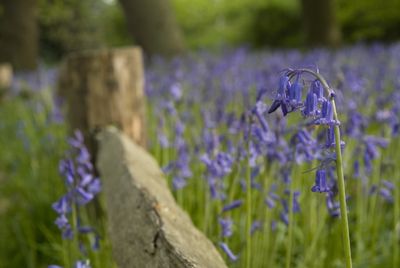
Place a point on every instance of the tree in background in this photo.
(369, 20)
(70, 25)
(153, 26)
(284, 33)
(320, 23)
(19, 33)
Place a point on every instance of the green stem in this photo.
(360, 219)
(339, 169)
(75, 239)
(396, 227)
(267, 237)
(342, 192)
(290, 226)
(206, 212)
(248, 208)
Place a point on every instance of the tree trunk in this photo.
(6, 75)
(105, 87)
(321, 27)
(19, 33)
(153, 26)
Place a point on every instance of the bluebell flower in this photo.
(295, 93)
(284, 85)
(63, 205)
(273, 225)
(296, 204)
(67, 168)
(256, 225)
(371, 150)
(279, 103)
(318, 90)
(330, 137)
(94, 186)
(373, 189)
(311, 105)
(356, 169)
(259, 110)
(320, 182)
(355, 125)
(326, 117)
(388, 184)
(226, 226)
(176, 91)
(77, 140)
(367, 162)
(282, 99)
(332, 205)
(62, 222)
(286, 176)
(179, 128)
(220, 166)
(284, 216)
(82, 264)
(269, 202)
(386, 191)
(170, 107)
(304, 137)
(386, 194)
(228, 252)
(234, 204)
(82, 186)
(178, 182)
(163, 140)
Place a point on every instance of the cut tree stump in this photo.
(6, 75)
(146, 226)
(104, 87)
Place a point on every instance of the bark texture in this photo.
(19, 33)
(320, 23)
(104, 87)
(146, 226)
(153, 26)
(6, 75)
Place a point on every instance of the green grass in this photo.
(31, 147)
(316, 237)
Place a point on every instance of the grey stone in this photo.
(146, 226)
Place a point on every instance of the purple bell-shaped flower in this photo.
(320, 182)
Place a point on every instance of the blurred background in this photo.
(43, 31)
(232, 52)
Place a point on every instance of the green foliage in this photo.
(284, 33)
(208, 23)
(368, 20)
(29, 183)
(73, 25)
(70, 25)
(32, 146)
(114, 29)
(215, 23)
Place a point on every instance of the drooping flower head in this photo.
(81, 188)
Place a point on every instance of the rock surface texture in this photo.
(146, 226)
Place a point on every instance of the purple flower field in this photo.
(224, 132)
(249, 144)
